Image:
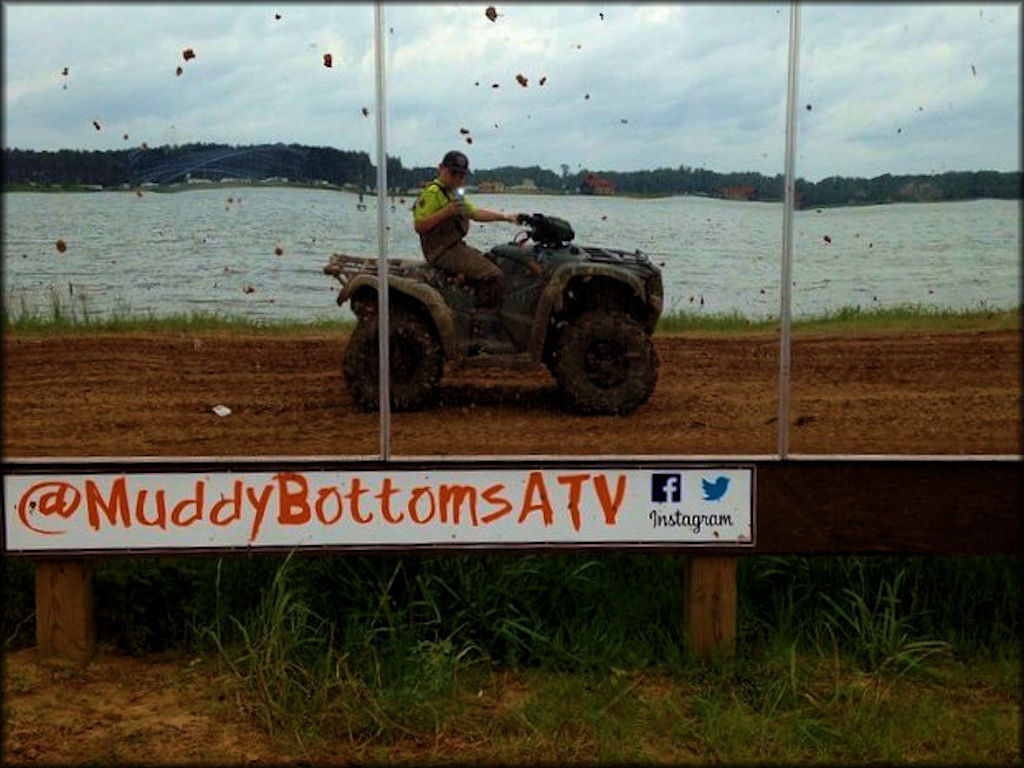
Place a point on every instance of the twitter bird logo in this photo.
(716, 490)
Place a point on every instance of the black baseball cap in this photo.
(456, 161)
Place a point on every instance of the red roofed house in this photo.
(593, 185)
(738, 193)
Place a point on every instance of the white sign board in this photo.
(380, 508)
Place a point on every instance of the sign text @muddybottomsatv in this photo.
(557, 507)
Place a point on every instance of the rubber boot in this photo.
(487, 332)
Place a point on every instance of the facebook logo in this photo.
(666, 487)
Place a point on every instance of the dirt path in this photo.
(152, 395)
(120, 710)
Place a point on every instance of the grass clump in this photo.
(72, 315)
(581, 657)
(846, 320)
(568, 657)
(910, 318)
(67, 321)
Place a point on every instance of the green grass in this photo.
(72, 315)
(581, 657)
(575, 658)
(847, 320)
(195, 322)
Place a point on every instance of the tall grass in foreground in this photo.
(378, 648)
(566, 611)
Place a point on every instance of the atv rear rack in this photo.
(345, 267)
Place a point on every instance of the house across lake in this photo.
(595, 185)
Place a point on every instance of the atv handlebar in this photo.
(546, 230)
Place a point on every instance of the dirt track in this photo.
(152, 395)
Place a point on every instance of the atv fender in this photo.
(416, 291)
(552, 300)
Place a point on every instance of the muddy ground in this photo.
(153, 395)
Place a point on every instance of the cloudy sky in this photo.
(916, 88)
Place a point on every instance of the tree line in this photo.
(312, 165)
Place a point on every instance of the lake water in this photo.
(213, 250)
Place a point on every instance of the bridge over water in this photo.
(216, 163)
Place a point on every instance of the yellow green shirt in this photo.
(434, 197)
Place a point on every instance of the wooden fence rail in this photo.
(804, 506)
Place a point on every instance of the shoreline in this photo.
(847, 321)
(327, 187)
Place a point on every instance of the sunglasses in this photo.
(456, 171)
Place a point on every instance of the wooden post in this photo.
(64, 609)
(710, 604)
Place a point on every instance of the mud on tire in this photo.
(605, 363)
(416, 362)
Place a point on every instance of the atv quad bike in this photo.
(586, 313)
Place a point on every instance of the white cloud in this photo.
(700, 85)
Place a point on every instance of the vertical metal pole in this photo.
(383, 325)
(789, 206)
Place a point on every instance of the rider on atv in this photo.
(441, 218)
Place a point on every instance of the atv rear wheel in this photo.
(605, 363)
(416, 363)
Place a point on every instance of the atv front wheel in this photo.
(605, 363)
(416, 363)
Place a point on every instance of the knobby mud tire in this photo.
(605, 363)
(417, 363)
